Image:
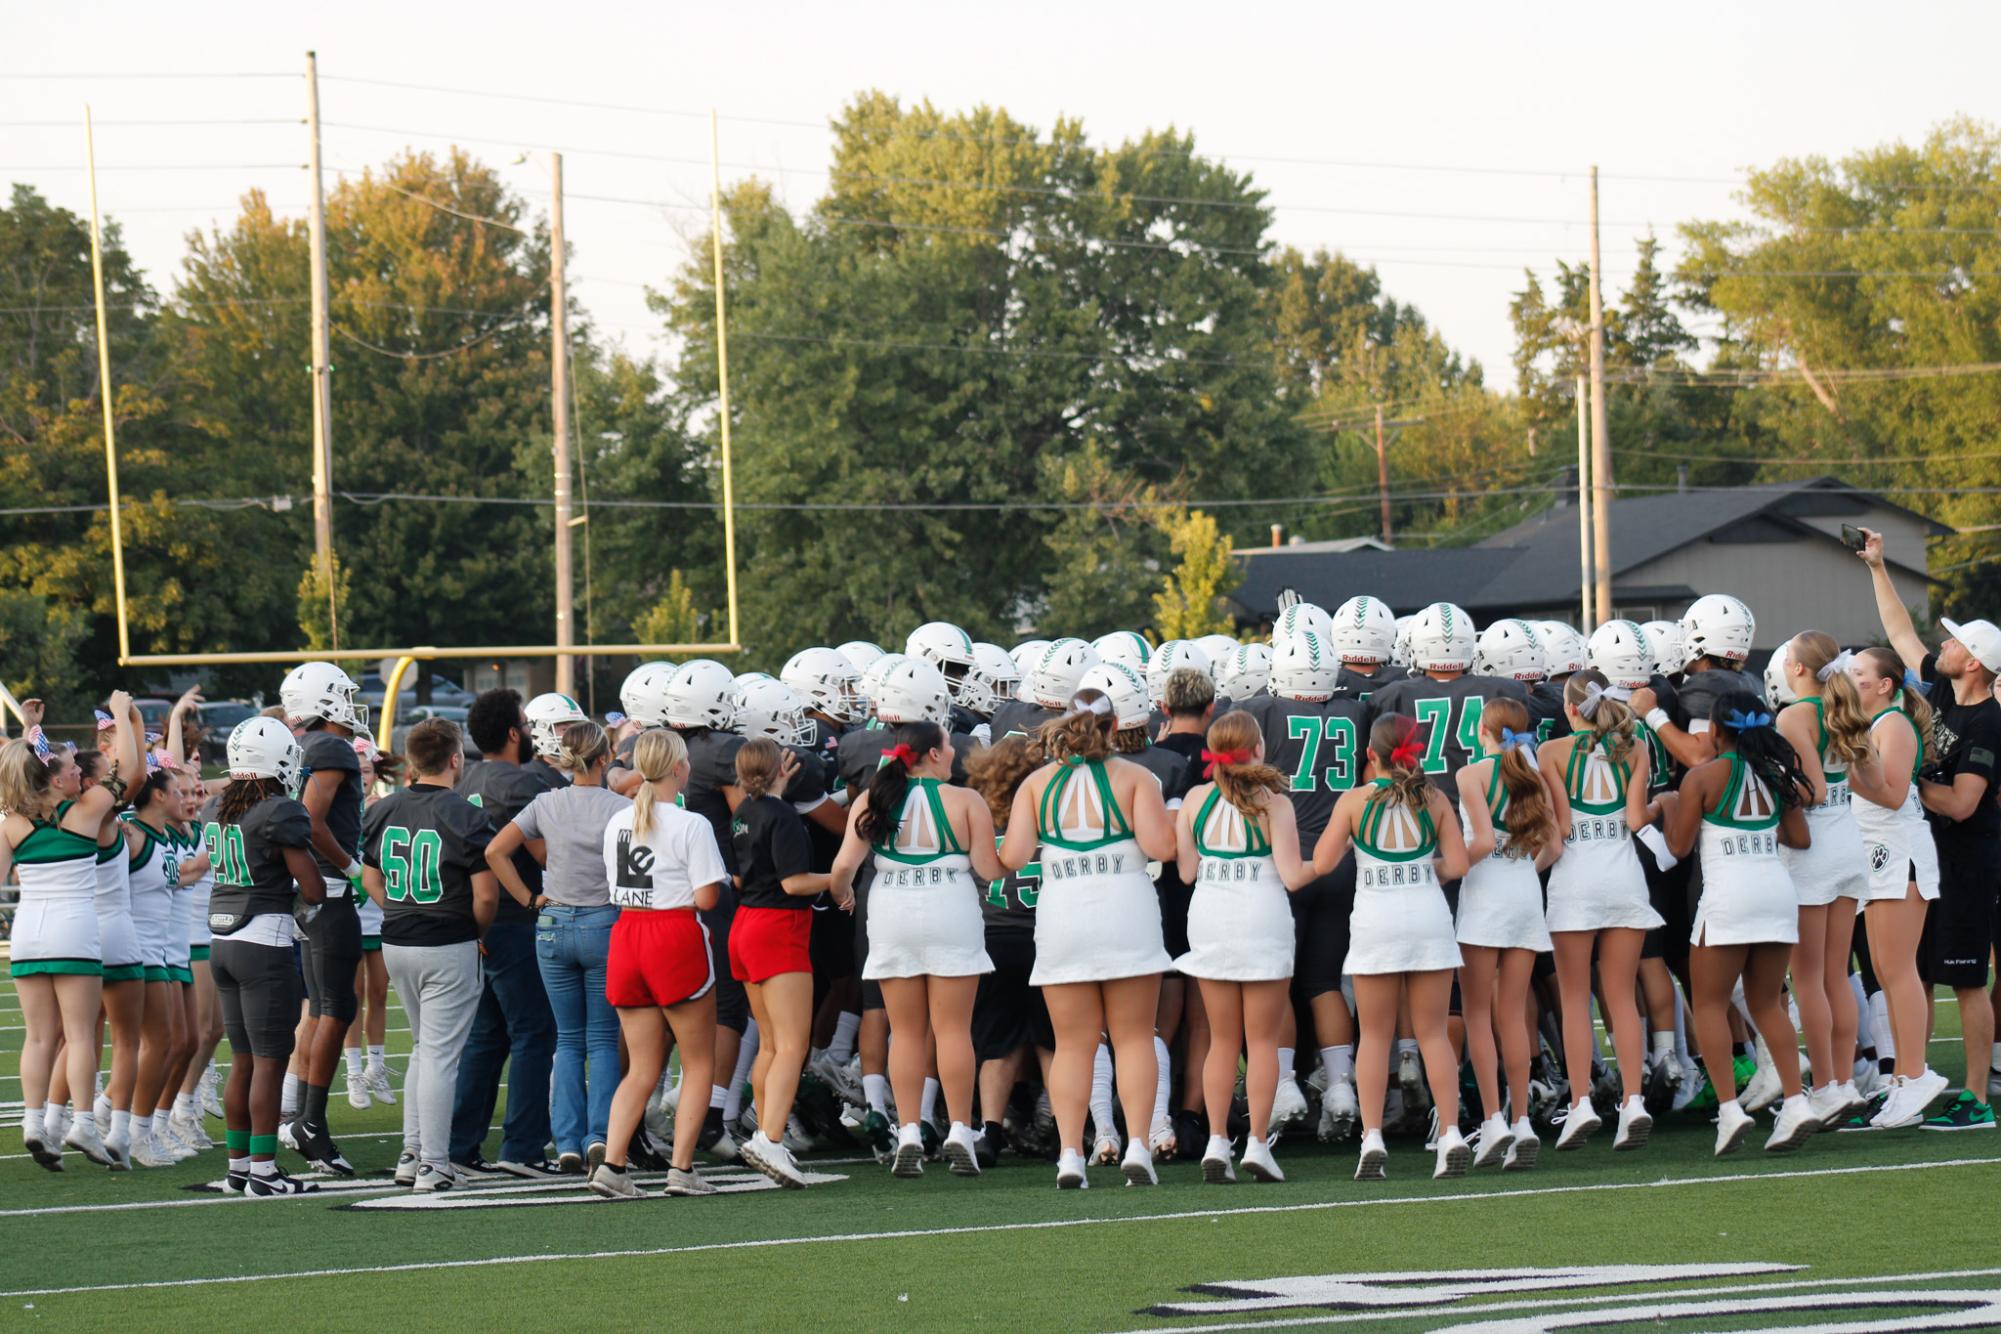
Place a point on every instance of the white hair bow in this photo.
(1835, 666)
(1595, 695)
(1100, 706)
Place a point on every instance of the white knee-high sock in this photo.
(1865, 1020)
(1879, 1020)
(1101, 1091)
(1163, 1086)
(1339, 1060)
(928, 1100)
(842, 1048)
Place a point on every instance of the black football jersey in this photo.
(1546, 711)
(325, 752)
(711, 768)
(502, 790)
(428, 842)
(1320, 745)
(1450, 712)
(1699, 691)
(1017, 716)
(861, 752)
(251, 877)
(1361, 686)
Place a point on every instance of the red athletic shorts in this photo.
(765, 942)
(658, 957)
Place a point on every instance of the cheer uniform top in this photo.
(156, 879)
(118, 938)
(1239, 915)
(1835, 864)
(1401, 923)
(924, 905)
(1898, 843)
(192, 907)
(1500, 900)
(1097, 918)
(1598, 884)
(1747, 897)
(55, 924)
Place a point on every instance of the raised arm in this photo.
(1890, 608)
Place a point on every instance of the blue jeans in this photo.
(571, 945)
(513, 1029)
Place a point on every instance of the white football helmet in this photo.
(1303, 616)
(1621, 651)
(949, 649)
(1170, 658)
(1664, 638)
(1051, 679)
(1441, 639)
(1002, 676)
(701, 693)
(263, 747)
(913, 691)
(872, 675)
(771, 708)
(1126, 646)
(1245, 672)
(751, 678)
(1717, 626)
(860, 653)
(1303, 667)
(1564, 650)
(1022, 655)
(644, 694)
(1510, 648)
(1400, 646)
(1778, 690)
(825, 680)
(321, 690)
(1364, 630)
(1125, 687)
(1216, 648)
(548, 715)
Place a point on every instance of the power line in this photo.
(162, 74)
(148, 124)
(159, 166)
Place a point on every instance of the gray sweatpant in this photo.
(439, 988)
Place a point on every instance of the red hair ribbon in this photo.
(1407, 753)
(902, 754)
(1214, 758)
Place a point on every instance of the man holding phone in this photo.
(1957, 786)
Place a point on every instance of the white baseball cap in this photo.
(1980, 638)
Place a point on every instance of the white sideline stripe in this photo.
(1478, 1311)
(1043, 1225)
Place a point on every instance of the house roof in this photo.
(1535, 562)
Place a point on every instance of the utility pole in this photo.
(559, 374)
(1601, 439)
(321, 364)
(1584, 588)
(1382, 475)
(104, 395)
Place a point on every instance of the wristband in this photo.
(1657, 718)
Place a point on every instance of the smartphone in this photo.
(1853, 538)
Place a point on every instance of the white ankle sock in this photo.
(927, 1102)
(1285, 1059)
(842, 1048)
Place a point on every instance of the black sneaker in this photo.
(235, 1183)
(477, 1168)
(712, 1130)
(534, 1169)
(277, 1184)
(316, 1146)
(934, 1143)
(642, 1151)
(986, 1147)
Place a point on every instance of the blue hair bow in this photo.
(1747, 722)
(40, 741)
(1913, 682)
(1511, 739)
(104, 720)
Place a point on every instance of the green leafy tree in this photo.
(673, 619)
(1190, 600)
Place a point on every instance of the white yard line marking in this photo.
(907, 1234)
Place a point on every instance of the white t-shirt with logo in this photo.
(664, 869)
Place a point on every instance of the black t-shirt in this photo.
(1020, 716)
(1965, 740)
(771, 844)
(1449, 712)
(325, 752)
(428, 842)
(1321, 744)
(251, 877)
(711, 768)
(551, 776)
(503, 789)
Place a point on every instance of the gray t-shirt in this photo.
(572, 820)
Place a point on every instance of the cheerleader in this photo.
(664, 867)
(927, 940)
(1903, 868)
(368, 1081)
(199, 1082)
(1829, 734)
(1237, 843)
(1510, 838)
(55, 959)
(1406, 841)
(1097, 821)
(184, 845)
(1746, 802)
(1597, 783)
(154, 867)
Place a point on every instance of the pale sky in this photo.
(1315, 100)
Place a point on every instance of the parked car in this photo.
(409, 717)
(443, 692)
(218, 719)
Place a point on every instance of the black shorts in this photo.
(1174, 897)
(1960, 926)
(1007, 1012)
(1673, 896)
(330, 957)
(258, 990)
(1320, 914)
(732, 1001)
(832, 944)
